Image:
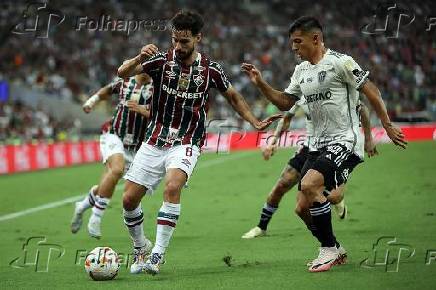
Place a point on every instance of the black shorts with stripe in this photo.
(335, 162)
(299, 158)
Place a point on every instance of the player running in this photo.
(290, 175)
(182, 77)
(330, 83)
(118, 144)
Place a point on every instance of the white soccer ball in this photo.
(102, 264)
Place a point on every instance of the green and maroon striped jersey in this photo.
(180, 102)
(130, 126)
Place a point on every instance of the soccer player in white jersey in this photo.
(291, 173)
(118, 144)
(330, 83)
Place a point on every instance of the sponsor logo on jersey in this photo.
(359, 74)
(186, 162)
(322, 96)
(181, 94)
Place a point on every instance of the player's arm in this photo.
(373, 95)
(370, 147)
(282, 100)
(133, 66)
(238, 103)
(102, 94)
(272, 145)
(141, 109)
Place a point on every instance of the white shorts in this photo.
(151, 163)
(111, 144)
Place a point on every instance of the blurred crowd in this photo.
(72, 64)
(21, 123)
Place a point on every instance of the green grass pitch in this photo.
(391, 195)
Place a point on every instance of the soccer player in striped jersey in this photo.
(120, 139)
(182, 78)
(330, 83)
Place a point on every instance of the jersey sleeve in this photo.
(218, 77)
(293, 88)
(116, 85)
(351, 73)
(147, 93)
(153, 66)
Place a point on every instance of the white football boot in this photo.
(327, 258)
(152, 266)
(253, 233)
(140, 255)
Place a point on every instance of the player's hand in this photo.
(268, 151)
(261, 125)
(252, 72)
(148, 51)
(395, 134)
(370, 148)
(87, 109)
(133, 106)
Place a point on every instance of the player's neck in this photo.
(318, 55)
(190, 60)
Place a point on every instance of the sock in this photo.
(166, 223)
(88, 201)
(100, 205)
(322, 220)
(133, 220)
(266, 215)
(314, 230)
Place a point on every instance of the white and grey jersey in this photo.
(301, 104)
(330, 89)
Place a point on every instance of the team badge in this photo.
(321, 76)
(198, 80)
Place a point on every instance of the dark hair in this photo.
(187, 20)
(305, 24)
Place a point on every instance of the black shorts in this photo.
(335, 162)
(297, 162)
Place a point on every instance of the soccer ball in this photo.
(102, 264)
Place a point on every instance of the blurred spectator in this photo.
(72, 63)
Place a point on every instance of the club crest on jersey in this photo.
(309, 80)
(321, 76)
(198, 80)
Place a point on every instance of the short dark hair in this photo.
(305, 24)
(187, 20)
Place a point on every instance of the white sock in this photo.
(89, 200)
(100, 206)
(134, 221)
(166, 223)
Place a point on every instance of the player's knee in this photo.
(172, 188)
(117, 171)
(308, 187)
(334, 198)
(129, 202)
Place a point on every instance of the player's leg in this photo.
(329, 171)
(288, 178)
(312, 187)
(142, 177)
(179, 163)
(336, 198)
(81, 206)
(133, 219)
(114, 171)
